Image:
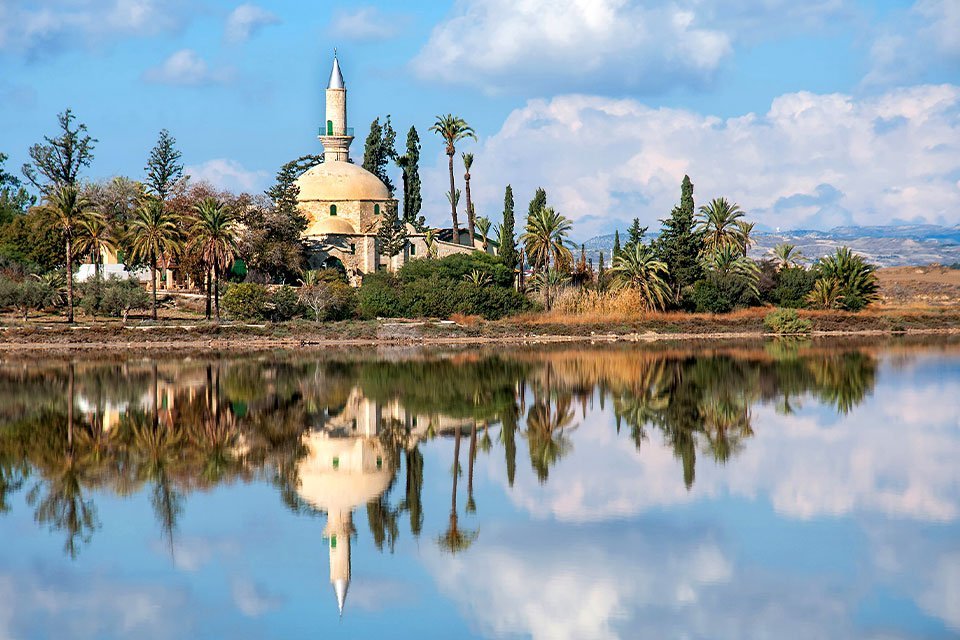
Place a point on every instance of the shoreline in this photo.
(178, 336)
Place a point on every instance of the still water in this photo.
(751, 490)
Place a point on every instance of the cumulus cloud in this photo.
(227, 174)
(244, 21)
(364, 23)
(36, 28)
(252, 599)
(810, 160)
(915, 41)
(186, 68)
(595, 45)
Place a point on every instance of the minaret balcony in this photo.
(332, 131)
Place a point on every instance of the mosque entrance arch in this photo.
(332, 262)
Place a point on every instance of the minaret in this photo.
(334, 134)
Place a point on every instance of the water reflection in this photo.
(337, 434)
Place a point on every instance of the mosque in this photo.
(345, 204)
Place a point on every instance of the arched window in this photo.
(333, 210)
(376, 209)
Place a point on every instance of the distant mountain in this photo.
(886, 246)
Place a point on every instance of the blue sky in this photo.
(605, 103)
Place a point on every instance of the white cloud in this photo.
(364, 23)
(811, 158)
(564, 45)
(251, 599)
(915, 41)
(186, 68)
(41, 27)
(229, 175)
(244, 21)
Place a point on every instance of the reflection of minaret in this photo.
(338, 530)
(345, 467)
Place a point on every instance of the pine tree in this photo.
(635, 234)
(679, 243)
(392, 235)
(616, 243)
(379, 150)
(163, 168)
(508, 240)
(58, 162)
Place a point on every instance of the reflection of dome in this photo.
(330, 225)
(339, 474)
(337, 180)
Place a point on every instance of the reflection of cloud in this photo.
(191, 553)
(376, 594)
(895, 455)
(252, 599)
(643, 580)
(88, 606)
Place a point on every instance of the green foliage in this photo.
(635, 234)
(720, 225)
(379, 149)
(123, 295)
(792, 286)
(329, 298)
(29, 240)
(679, 244)
(538, 202)
(163, 168)
(544, 240)
(58, 161)
(637, 268)
(246, 301)
(617, 249)
(712, 295)
(410, 164)
(14, 199)
(457, 267)
(378, 296)
(29, 294)
(508, 239)
(286, 304)
(852, 275)
(787, 322)
(392, 234)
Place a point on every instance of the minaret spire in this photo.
(335, 135)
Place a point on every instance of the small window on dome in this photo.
(333, 210)
(376, 209)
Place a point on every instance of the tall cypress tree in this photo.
(410, 163)
(616, 243)
(635, 234)
(679, 243)
(508, 240)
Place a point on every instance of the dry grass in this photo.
(466, 320)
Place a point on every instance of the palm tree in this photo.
(467, 164)
(857, 278)
(637, 268)
(430, 239)
(550, 282)
(483, 226)
(745, 229)
(214, 233)
(728, 261)
(786, 256)
(95, 237)
(154, 235)
(544, 239)
(718, 224)
(452, 129)
(827, 293)
(69, 208)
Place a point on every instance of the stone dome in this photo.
(327, 226)
(343, 181)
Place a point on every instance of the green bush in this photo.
(793, 285)
(708, 297)
(786, 322)
(328, 300)
(120, 296)
(286, 303)
(246, 301)
(378, 297)
(91, 296)
(456, 267)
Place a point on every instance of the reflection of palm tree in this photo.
(546, 438)
(455, 539)
(471, 505)
(412, 503)
(157, 448)
(844, 380)
(63, 506)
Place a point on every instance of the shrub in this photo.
(456, 267)
(286, 303)
(328, 300)
(856, 279)
(709, 297)
(120, 296)
(786, 322)
(91, 296)
(378, 297)
(246, 301)
(793, 285)
(28, 295)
